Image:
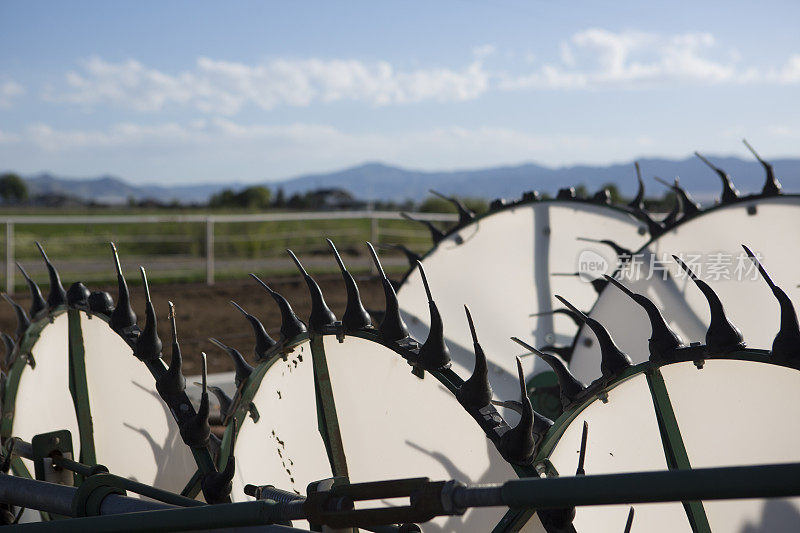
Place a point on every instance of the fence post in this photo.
(374, 236)
(10, 258)
(209, 251)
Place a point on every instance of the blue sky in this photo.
(186, 92)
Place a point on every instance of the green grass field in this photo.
(176, 251)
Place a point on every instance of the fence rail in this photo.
(211, 236)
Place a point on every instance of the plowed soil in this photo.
(204, 311)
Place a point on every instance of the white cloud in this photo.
(590, 59)
(597, 58)
(225, 87)
(219, 148)
(790, 72)
(8, 91)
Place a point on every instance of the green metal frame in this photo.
(327, 417)
(78, 387)
(674, 449)
(326, 408)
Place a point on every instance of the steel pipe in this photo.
(57, 499)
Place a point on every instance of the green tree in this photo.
(255, 197)
(434, 204)
(13, 188)
(224, 198)
(280, 198)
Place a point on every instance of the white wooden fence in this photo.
(207, 219)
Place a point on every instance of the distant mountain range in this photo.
(384, 182)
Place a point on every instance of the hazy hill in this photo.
(379, 181)
(382, 181)
(113, 190)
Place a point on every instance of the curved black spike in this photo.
(433, 354)
(786, 346)
(411, 256)
(436, 234)
(476, 392)
(518, 444)
(721, 335)
(621, 251)
(172, 381)
(38, 304)
(196, 431)
(217, 486)
(57, 295)
(148, 346)
(223, 399)
(9, 345)
(564, 352)
(581, 471)
(561, 311)
(674, 214)
(291, 326)
(567, 193)
(603, 197)
(465, 214)
(355, 316)
(78, 296)
(654, 227)
(123, 316)
(263, 341)
(613, 360)
(729, 192)
(690, 207)
(629, 523)
(392, 328)
(772, 187)
(497, 204)
(663, 340)
(569, 386)
(531, 196)
(321, 315)
(23, 322)
(243, 368)
(101, 302)
(637, 204)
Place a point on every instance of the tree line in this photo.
(14, 191)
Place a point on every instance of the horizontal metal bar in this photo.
(253, 217)
(57, 499)
(724, 483)
(126, 524)
(207, 517)
(759, 481)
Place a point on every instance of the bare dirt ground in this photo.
(204, 311)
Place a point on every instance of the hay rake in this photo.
(332, 406)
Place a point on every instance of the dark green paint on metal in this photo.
(327, 417)
(79, 388)
(674, 448)
(192, 488)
